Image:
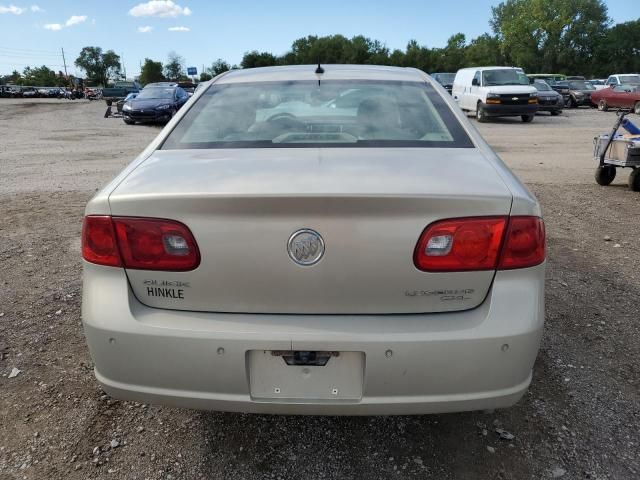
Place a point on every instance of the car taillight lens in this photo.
(99, 243)
(460, 244)
(480, 243)
(524, 244)
(139, 243)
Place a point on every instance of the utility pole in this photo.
(64, 62)
(124, 68)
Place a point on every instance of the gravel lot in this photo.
(579, 420)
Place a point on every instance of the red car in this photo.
(620, 96)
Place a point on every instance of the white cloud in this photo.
(35, 9)
(179, 29)
(145, 29)
(11, 9)
(159, 8)
(75, 19)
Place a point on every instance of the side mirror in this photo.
(475, 82)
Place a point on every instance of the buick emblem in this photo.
(305, 247)
(514, 98)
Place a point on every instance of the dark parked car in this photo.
(155, 103)
(580, 93)
(548, 99)
(444, 79)
(562, 87)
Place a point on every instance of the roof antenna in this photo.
(319, 71)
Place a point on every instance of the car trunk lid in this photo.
(369, 205)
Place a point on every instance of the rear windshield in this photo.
(445, 78)
(156, 92)
(333, 113)
(580, 85)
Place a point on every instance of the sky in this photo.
(34, 32)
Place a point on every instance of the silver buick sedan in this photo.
(316, 240)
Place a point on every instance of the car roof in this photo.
(331, 72)
(492, 68)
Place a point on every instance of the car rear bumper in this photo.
(582, 101)
(413, 364)
(501, 110)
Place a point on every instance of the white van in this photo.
(495, 92)
(623, 79)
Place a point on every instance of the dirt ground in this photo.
(579, 420)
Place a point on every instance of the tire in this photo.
(527, 118)
(636, 108)
(634, 179)
(480, 115)
(602, 106)
(604, 175)
(128, 122)
(555, 113)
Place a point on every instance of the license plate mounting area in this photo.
(306, 375)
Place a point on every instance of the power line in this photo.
(28, 50)
(29, 64)
(25, 55)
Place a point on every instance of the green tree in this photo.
(14, 78)
(451, 57)
(174, 68)
(100, 67)
(258, 59)
(39, 76)
(550, 35)
(218, 67)
(397, 58)
(619, 50)
(484, 50)
(336, 49)
(205, 77)
(151, 72)
(421, 57)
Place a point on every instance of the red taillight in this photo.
(524, 244)
(139, 243)
(99, 241)
(480, 243)
(460, 244)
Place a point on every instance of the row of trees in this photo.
(542, 36)
(173, 70)
(37, 77)
(99, 66)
